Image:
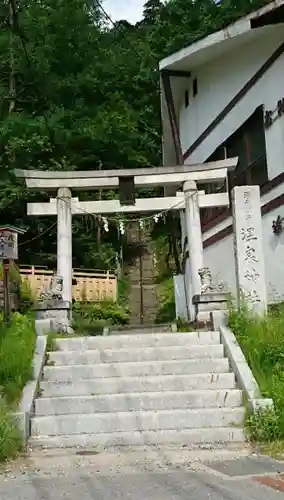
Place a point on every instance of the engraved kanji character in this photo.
(246, 197)
(251, 275)
(252, 296)
(248, 215)
(250, 255)
(248, 234)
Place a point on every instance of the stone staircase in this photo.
(138, 389)
(143, 302)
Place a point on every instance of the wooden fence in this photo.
(90, 286)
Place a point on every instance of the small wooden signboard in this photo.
(8, 252)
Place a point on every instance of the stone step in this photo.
(136, 354)
(189, 437)
(130, 369)
(134, 421)
(134, 402)
(120, 385)
(142, 340)
(138, 329)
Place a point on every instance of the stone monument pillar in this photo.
(194, 237)
(64, 241)
(249, 258)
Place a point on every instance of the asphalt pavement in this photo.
(137, 475)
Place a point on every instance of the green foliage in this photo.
(264, 426)
(183, 326)
(167, 236)
(91, 318)
(166, 299)
(123, 286)
(17, 345)
(87, 95)
(262, 341)
(26, 297)
(11, 442)
(51, 342)
(14, 272)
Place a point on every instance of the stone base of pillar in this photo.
(58, 312)
(207, 303)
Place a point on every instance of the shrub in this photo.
(262, 341)
(11, 442)
(93, 317)
(123, 290)
(14, 272)
(166, 298)
(26, 296)
(263, 426)
(184, 326)
(17, 345)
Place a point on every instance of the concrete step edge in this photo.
(201, 392)
(155, 401)
(71, 358)
(144, 413)
(112, 340)
(139, 349)
(187, 437)
(190, 361)
(136, 378)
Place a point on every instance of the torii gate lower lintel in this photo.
(64, 206)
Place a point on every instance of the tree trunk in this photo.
(12, 80)
(99, 231)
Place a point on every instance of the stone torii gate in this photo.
(63, 183)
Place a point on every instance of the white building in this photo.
(223, 96)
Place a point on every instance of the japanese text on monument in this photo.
(251, 259)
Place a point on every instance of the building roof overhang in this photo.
(181, 64)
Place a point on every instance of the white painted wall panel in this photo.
(219, 82)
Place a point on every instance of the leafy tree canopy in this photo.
(77, 92)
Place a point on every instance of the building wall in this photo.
(219, 82)
(219, 256)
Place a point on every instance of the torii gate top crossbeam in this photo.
(109, 179)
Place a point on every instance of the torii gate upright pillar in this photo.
(194, 239)
(64, 241)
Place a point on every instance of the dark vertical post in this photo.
(141, 279)
(6, 283)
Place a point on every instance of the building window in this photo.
(194, 87)
(248, 144)
(186, 98)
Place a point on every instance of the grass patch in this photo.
(11, 442)
(184, 326)
(17, 345)
(262, 341)
(274, 449)
(51, 342)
